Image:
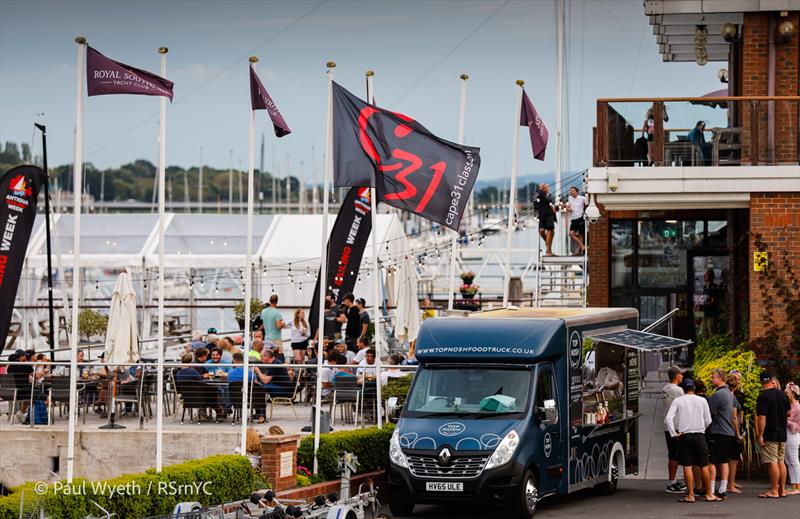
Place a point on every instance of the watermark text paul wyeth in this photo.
(131, 488)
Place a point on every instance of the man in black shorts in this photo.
(722, 431)
(687, 420)
(546, 211)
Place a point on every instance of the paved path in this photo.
(637, 499)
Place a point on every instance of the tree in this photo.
(26, 153)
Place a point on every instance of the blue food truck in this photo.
(513, 405)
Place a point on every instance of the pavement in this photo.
(636, 499)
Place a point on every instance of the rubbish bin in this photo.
(324, 420)
(515, 290)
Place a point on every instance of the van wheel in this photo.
(610, 486)
(401, 505)
(529, 496)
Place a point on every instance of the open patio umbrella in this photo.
(713, 104)
(122, 335)
(408, 312)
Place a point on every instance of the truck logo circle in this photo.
(452, 429)
(548, 445)
(575, 349)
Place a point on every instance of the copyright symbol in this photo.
(40, 487)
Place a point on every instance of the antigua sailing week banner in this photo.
(19, 191)
(106, 76)
(345, 249)
(411, 168)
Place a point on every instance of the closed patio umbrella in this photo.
(714, 104)
(408, 312)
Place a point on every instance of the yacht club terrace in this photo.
(648, 149)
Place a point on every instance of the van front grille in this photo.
(429, 467)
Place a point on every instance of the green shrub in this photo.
(397, 387)
(231, 477)
(302, 481)
(716, 352)
(371, 447)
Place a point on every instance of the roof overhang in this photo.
(675, 21)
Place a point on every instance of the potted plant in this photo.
(256, 305)
(469, 291)
(468, 277)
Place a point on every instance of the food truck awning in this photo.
(641, 340)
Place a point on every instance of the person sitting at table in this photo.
(364, 371)
(394, 360)
(187, 372)
(215, 364)
(197, 340)
(201, 357)
(226, 346)
(273, 381)
(698, 138)
(212, 339)
(329, 372)
(256, 349)
(341, 348)
(237, 373)
(363, 345)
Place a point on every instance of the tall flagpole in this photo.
(376, 272)
(561, 242)
(77, 182)
(200, 184)
(323, 255)
(454, 242)
(162, 162)
(248, 278)
(512, 193)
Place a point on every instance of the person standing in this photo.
(299, 333)
(273, 323)
(772, 407)
(649, 127)
(722, 431)
(687, 420)
(793, 438)
(546, 211)
(669, 393)
(577, 227)
(353, 326)
(363, 316)
(734, 381)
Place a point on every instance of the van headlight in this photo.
(395, 454)
(503, 453)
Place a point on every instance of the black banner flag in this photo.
(19, 191)
(346, 246)
(413, 169)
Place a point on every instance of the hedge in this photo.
(231, 478)
(716, 352)
(371, 447)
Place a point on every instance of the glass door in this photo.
(709, 287)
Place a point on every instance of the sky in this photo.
(418, 50)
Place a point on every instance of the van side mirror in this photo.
(548, 415)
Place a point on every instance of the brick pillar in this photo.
(599, 283)
(279, 460)
(775, 221)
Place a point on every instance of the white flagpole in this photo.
(200, 184)
(288, 184)
(162, 163)
(77, 182)
(562, 243)
(323, 255)
(376, 275)
(248, 282)
(454, 242)
(512, 192)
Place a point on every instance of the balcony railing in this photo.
(738, 131)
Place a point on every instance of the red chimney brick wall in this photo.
(599, 258)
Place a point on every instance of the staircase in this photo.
(561, 281)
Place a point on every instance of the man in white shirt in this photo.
(687, 420)
(669, 393)
(577, 227)
(394, 360)
(327, 374)
(363, 370)
(363, 346)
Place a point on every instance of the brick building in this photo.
(708, 225)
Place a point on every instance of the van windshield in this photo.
(469, 391)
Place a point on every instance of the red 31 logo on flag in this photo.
(411, 161)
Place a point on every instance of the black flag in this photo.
(412, 169)
(345, 248)
(19, 190)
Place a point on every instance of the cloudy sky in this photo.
(417, 49)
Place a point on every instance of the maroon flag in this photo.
(410, 168)
(260, 100)
(106, 76)
(530, 117)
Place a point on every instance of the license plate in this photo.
(443, 486)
